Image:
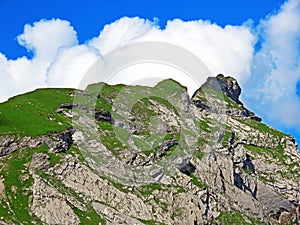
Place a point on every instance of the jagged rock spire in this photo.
(224, 89)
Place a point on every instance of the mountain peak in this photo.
(220, 94)
(228, 85)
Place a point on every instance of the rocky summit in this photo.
(144, 155)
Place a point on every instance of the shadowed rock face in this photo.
(228, 85)
(225, 89)
(233, 171)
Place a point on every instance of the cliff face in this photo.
(139, 155)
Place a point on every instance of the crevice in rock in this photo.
(63, 142)
(248, 165)
(238, 181)
(186, 167)
(222, 180)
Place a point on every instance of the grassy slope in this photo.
(29, 114)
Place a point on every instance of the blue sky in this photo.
(255, 41)
(89, 17)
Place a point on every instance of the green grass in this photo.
(265, 179)
(143, 145)
(196, 182)
(168, 88)
(213, 92)
(225, 140)
(150, 222)
(231, 103)
(165, 103)
(236, 218)
(105, 89)
(204, 125)
(90, 217)
(276, 153)
(262, 127)
(29, 114)
(108, 137)
(149, 188)
(205, 92)
(17, 183)
(143, 113)
(199, 154)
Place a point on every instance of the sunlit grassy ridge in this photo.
(33, 114)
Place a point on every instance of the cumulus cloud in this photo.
(59, 61)
(276, 68)
(48, 41)
(45, 37)
(70, 66)
(226, 50)
(121, 32)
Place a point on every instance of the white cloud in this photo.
(121, 32)
(70, 65)
(59, 61)
(227, 50)
(44, 39)
(276, 68)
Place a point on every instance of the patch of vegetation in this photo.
(201, 141)
(117, 185)
(248, 171)
(177, 213)
(105, 89)
(169, 88)
(225, 140)
(33, 114)
(149, 188)
(165, 103)
(207, 91)
(102, 103)
(199, 154)
(180, 189)
(196, 182)
(215, 95)
(17, 183)
(201, 96)
(143, 113)
(151, 222)
(276, 153)
(90, 217)
(204, 125)
(143, 145)
(54, 158)
(227, 218)
(109, 138)
(231, 103)
(266, 179)
(262, 127)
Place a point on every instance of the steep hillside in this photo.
(139, 155)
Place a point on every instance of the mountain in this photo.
(140, 155)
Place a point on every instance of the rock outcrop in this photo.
(222, 88)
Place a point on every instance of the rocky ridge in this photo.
(235, 170)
